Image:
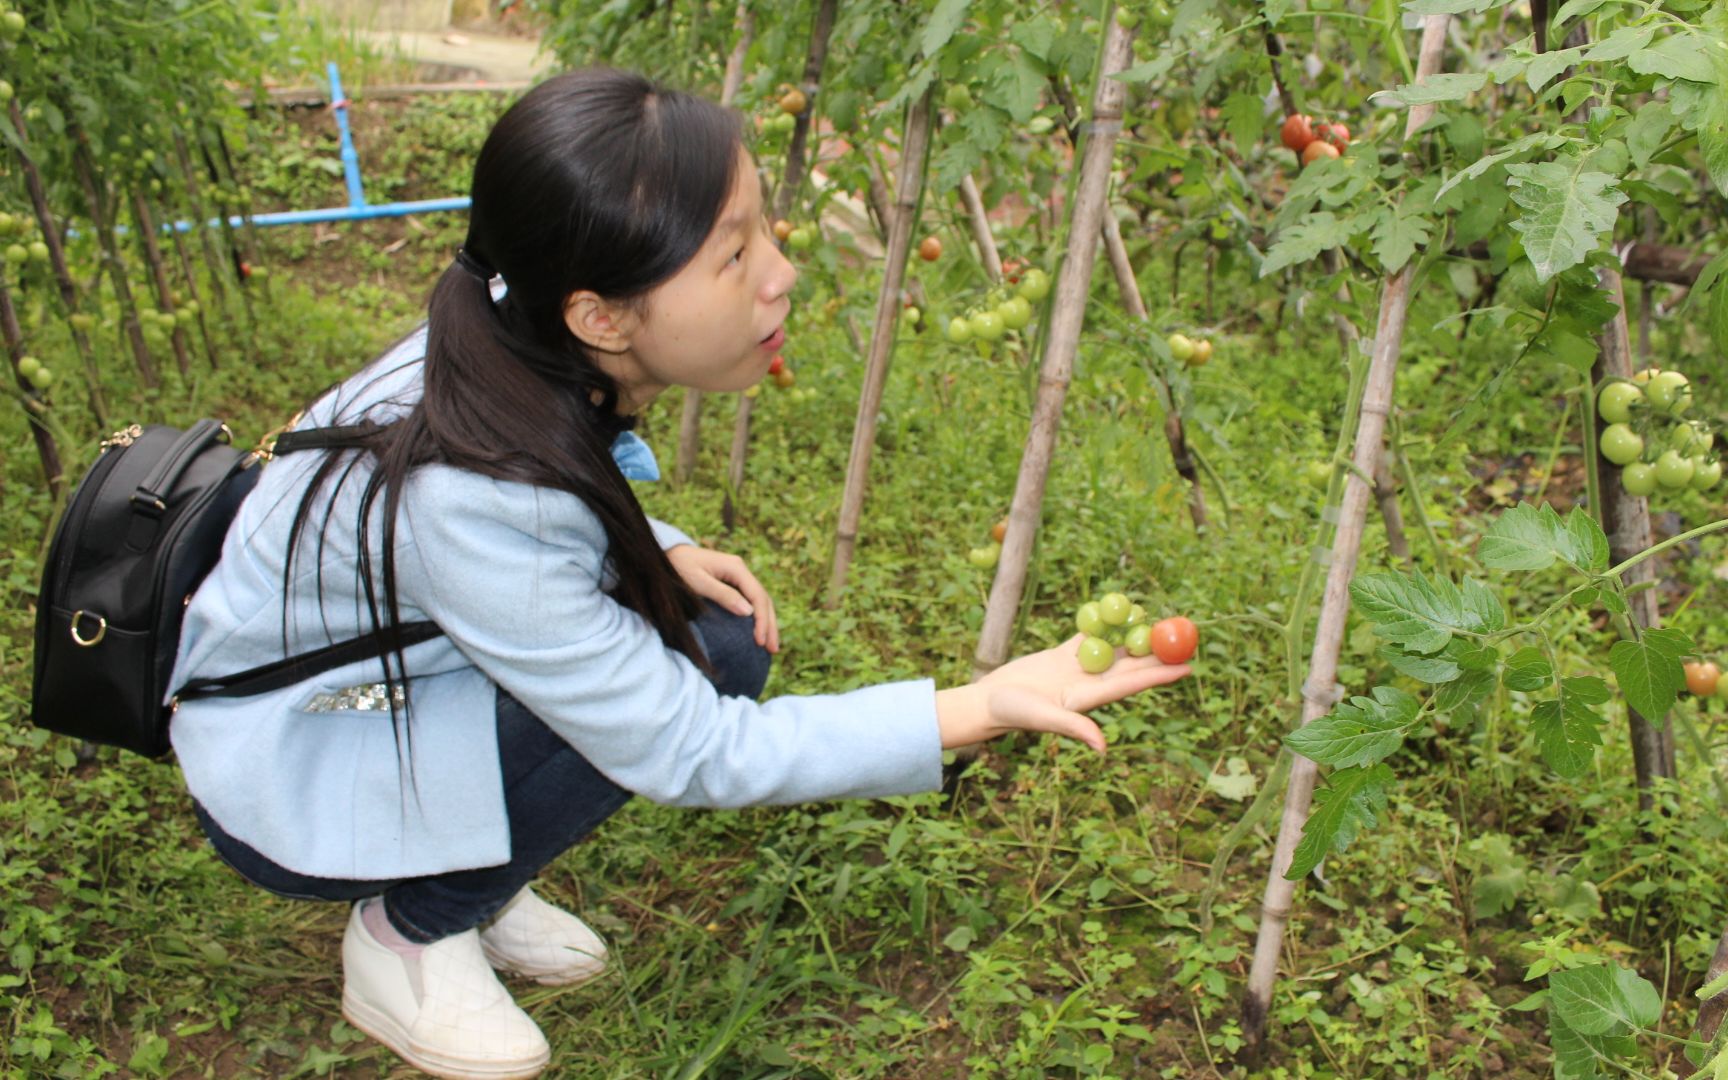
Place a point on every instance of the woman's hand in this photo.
(725, 580)
(1045, 691)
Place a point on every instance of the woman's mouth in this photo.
(773, 341)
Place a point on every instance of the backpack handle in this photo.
(151, 498)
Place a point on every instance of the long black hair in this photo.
(595, 180)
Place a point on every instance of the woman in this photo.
(586, 653)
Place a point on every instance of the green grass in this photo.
(1045, 923)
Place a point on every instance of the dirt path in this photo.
(491, 57)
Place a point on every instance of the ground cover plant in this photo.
(1512, 861)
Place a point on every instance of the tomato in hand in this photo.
(1096, 655)
(1702, 678)
(1175, 639)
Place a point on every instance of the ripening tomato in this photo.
(782, 229)
(1175, 639)
(1333, 134)
(1316, 150)
(930, 249)
(999, 531)
(793, 102)
(1701, 678)
(1298, 132)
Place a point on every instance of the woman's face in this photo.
(717, 323)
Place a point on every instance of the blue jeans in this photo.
(552, 795)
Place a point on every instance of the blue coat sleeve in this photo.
(513, 575)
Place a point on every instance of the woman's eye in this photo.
(736, 256)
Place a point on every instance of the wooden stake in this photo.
(1320, 691)
(690, 422)
(1062, 338)
(981, 234)
(913, 158)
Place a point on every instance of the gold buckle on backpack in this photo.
(266, 448)
(101, 629)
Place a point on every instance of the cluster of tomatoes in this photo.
(1704, 678)
(787, 107)
(1113, 621)
(1194, 352)
(1312, 141)
(796, 237)
(984, 558)
(1006, 307)
(1648, 438)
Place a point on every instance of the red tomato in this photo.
(777, 365)
(1701, 678)
(1298, 131)
(1175, 639)
(999, 531)
(1317, 150)
(930, 250)
(1335, 134)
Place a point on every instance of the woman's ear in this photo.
(597, 323)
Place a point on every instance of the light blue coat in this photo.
(513, 575)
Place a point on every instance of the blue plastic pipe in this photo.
(350, 157)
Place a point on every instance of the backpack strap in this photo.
(280, 674)
(286, 672)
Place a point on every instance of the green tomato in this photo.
(783, 124)
(1638, 479)
(958, 97)
(1040, 125)
(1693, 439)
(1319, 475)
(5, 91)
(38, 251)
(43, 377)
(1181, 347)
(1620, 444)
(959, 331)
(799, 239)
(1705, 476)
(1668, 392)
(987, 326)
(1114, 608)
(1136, 616)
(28, 366)
(1089, 621)
(1034, 285)
(1674, 471)
(1617, 400)
(83, 322)
(913, 314)
(11, 26)
(1015, 312)
(1096, 655)
(17, 254)
(1139, 640)
(985, 557)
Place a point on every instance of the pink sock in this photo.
(378, 925)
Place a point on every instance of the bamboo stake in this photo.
(690, 421)
(981, 234)
(1626, 520)
(1320, 692)
(1129, 286)
(821, 28)
(913, 159)
(159, 277)
(1062, 338)
(115, 262)
(57, 261)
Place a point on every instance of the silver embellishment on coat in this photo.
(375, 697)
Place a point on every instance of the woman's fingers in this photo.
(1129, 675)
(767, 624)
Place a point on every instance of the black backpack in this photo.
(143, 528)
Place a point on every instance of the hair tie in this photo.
(474, 266)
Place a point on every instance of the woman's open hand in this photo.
(725, 580)
(1045, 691)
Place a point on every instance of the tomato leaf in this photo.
(1649, 670)
(1682, 55)
(1568, 211)
(1305, 240)
(1621, 43)
(1432, 90)
(1421, 614)
(1244, 117)
(1530, 538)
(1529, 144)
(1466, 690)
(1428, 669)
(948, 17)
(1398, 234)
(1527, 669)
(1567, 729)
(1713, 137)
(1016, 87)
(1603, 999)
(1345, 806)
(1358, 732)
(1648, 130)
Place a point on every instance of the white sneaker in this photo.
(443, 1012)
(549, 945)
